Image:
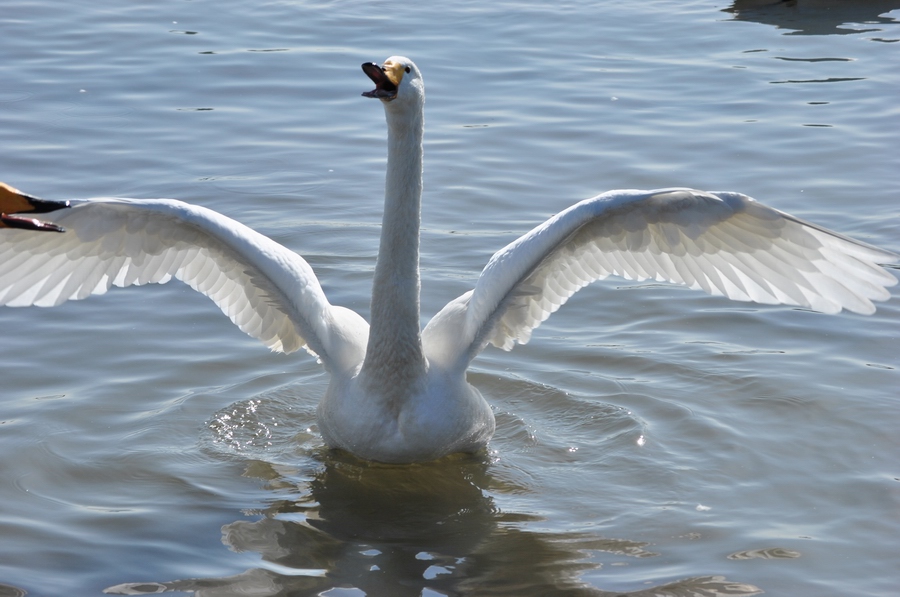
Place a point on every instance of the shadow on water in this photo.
(816, 17)
(425, 529)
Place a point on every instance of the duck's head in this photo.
(397, 80)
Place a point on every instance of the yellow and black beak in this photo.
(14, 201)
(386, 78)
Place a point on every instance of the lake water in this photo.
(651, 439)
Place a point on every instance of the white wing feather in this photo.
(725, 244)
(268, 291)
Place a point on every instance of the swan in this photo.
(13, 201)
(399, 393)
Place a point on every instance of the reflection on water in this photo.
(405, 531)
(816, 17)
(10, 591)
(771, 553)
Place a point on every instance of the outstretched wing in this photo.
(726, 244)
(268, 291)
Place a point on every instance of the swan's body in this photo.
(398, 393)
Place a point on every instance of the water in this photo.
(648, 436)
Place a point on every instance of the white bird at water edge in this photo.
(399, 393)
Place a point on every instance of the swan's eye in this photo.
(407, 69)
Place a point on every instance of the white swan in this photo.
(398, 393)
(13, 202)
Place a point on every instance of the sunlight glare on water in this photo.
(650, 440)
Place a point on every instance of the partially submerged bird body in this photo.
(437, 414)
(399, 393)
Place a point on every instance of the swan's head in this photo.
(13, 200)
(397, 80)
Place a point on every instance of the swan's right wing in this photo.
(268, 291)
(726, 244)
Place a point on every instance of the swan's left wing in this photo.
(268, 291)
(726, 244)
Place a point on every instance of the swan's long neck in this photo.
(394, 356)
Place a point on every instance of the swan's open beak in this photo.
(14, 201)
(385, 88)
